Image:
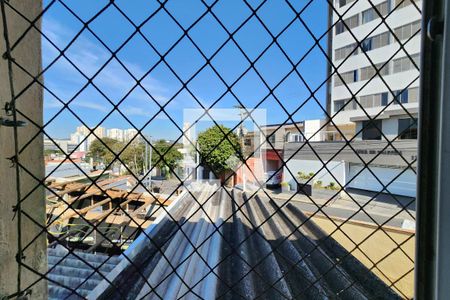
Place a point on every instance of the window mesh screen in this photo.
(138, 206)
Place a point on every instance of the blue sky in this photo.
(160, 86)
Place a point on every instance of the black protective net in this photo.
(135, 222)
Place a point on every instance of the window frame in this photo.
(371, 128)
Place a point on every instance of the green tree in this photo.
(170, 160)
(100, 151)
(226, 151)
(133, 156)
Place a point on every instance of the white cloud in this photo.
(91, 105)
(89, 57)
(138, 111)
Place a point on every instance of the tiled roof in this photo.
(76, 271)
(186, 256)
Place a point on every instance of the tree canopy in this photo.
(226, 151)
(100, 153)
(170, 160)
(134, 154)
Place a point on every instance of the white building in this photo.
(189, 162)
(79, 139)
(129, 134)
(391, 97)
(116, 133)
(100, 132)
(380, 45)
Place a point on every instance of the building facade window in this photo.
(372, 14)
(403, 3)
(375, 42)
(296, 138)
(405, 63)
(271, 138)
(401, 96)
(340, 28)
(369, 72)
(413, 95)
(346, 51)
(384, 99)
(338, 104)
(351, 23)
(344, 2)
(369, 101)
(346, 104)
(347, 77)
(407, 129)
(372, 130)
(406, 31)
(293, 137)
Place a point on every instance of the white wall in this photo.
(404, 185)
(337, 168)
(310, 129)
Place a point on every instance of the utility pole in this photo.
(241, 141)
(151, 153)
(147, 164)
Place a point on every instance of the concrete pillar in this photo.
(27, 54)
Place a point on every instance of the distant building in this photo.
(373, 76)
(116, 133)
(64, 145)
(79, 139)
(397, 76)
(129, 134)
(189, 164)
(100, 132)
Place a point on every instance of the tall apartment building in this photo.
(80, 140)
(100, 132)
(129, 133)
(116, 133)
(380, 46)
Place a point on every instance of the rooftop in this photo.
(225, 245)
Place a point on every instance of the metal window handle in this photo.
(11, 123)
(434, 28)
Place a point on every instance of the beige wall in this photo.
(27, 54)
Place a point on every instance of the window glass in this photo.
(344, 2)
(407, 129)
(376, 100)
(406, 31)
(397, 65)
(403, 3)
(405, 63)
(339, 27)
(351, 105)
(347, 77)
(366, 101)
(368, 15)
(413, 95)
(367, 73)
(338, 104)
(371, 14)
(367, 45)
(404, 96)
(384, 99)
(372, 130)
